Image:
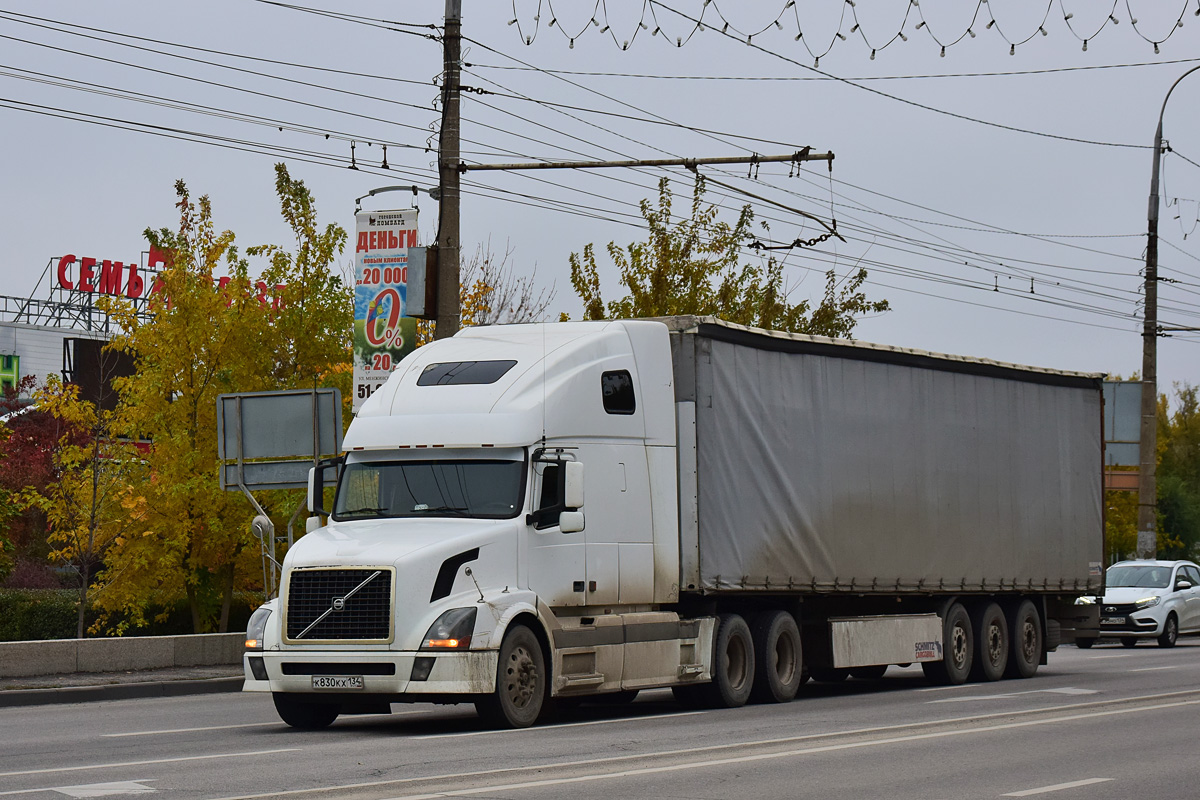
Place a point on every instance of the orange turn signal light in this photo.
(451, 644)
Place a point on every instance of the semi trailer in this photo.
(534, 515)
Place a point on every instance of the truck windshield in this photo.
(1147, 577)
(468, 488)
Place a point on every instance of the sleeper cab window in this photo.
(458, 373)
(617, 389)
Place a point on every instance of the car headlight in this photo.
(451, 631)
(257, 626)
(1147, 602)
(1085, 601)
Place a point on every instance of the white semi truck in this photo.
(528, 515)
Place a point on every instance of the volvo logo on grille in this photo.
(338, 604)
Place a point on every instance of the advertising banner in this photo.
(382, 334)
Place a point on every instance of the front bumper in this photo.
(412, 674)
(1135, 625)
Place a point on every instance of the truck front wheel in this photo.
(303, 715)
(958, 649)
(521, 684)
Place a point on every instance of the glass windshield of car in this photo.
(468, 488)
(1144, 576)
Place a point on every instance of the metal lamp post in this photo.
(1147, 539)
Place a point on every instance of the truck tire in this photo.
(778, 658)
(958, 649)
(991, 642)
(830, 674)
(1025, 636)
(521, 682)
(303, 715)
(732, 669)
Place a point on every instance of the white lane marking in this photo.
(942, 688)
(94, 789)
(1056, 787)
(1154, 669)
(148, 761)
(275, 724)
(593, 762)
(556, 727)
(692, 765)
(1068, 690)
(193, 730)
(105, 789)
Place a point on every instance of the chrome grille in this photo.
(323, 604)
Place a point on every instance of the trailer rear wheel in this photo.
(778, 658)
(1025, 633)
(958, 649)
(303, 715)
(521, 685)
(991, 643)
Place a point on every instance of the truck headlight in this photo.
(257, 626)
(1147, 602)
(451, 631)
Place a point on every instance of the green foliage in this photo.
(693, 267)
(1178, 476)
(287, 329)
(33, 614)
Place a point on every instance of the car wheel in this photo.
(830, 674)
(1084, 644)
(872, 673)
(1170, 632)
(1129, 642)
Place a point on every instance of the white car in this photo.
(1148, 600)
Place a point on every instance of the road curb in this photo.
(118, 691)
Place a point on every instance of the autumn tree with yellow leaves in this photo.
(694, 266)
(92, 504)
(210, 335)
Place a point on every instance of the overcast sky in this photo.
(960, 192)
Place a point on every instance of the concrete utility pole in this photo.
(449, 240)
(1147, 523)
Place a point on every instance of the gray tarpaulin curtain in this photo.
(840, 474)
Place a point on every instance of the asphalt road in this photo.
(1104, 723)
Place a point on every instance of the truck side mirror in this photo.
(570, 521)
(573, 489)
(315, 493)
(316, 485)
